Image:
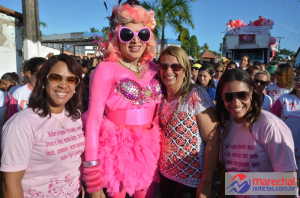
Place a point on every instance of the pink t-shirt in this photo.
(269, 148)
(274, 91)
(10, 93)
(19, 100)
(50, 155)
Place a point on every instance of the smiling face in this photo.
(58, 95)
(237, 108)
(244, 62)
(171, 79)
(133, 50)
(204, 78)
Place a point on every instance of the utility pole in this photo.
(31, 22)
(222, 47)
(279, 37)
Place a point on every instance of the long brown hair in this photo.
(38, 101)
(287, 75)
(253, 113)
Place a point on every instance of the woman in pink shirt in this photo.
(264, 141)
(42, 145)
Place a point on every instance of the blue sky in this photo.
(209, 16)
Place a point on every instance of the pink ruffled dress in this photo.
(120, 127)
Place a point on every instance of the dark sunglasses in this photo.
(125, 34)
(217, 71)
(242, 96)
(57, 79)
(263, 83)
(174, 66)
(278, 73)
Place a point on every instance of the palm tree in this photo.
(93, 29)
(205, 47)
(105, 31)
(184, 36)
(170, 12)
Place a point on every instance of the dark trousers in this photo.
(171, 189)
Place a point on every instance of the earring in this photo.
(74, 92)
(43, 87)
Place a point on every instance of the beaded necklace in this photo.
(165, 127)
(137, 68)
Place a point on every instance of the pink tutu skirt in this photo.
(128, 157)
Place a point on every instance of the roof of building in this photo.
(11, 12)
(207, 54)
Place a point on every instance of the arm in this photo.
(207, 121)
(100, 86)
(12, 184)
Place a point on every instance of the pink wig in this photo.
(126, 13)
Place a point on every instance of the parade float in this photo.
(253, 39)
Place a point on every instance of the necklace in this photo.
(134, 68)
(61, 123)
(164, 127)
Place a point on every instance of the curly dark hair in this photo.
(38, 101)
(253, 113)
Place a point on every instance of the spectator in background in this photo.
(9, 80)
(272, 69)
(195, 69)
(85, 58)
(3, 96)
(287, 108)
(244, 62)
(205, 80)
(231, 65)
(261, 81)
(212, 61)
(285, 82)
(86, 64)
(252, 70)
(21, 96)
(219, 69)
(257, 64)
(78, 59)
(86, 82)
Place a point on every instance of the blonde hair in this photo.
(124, 14)
(183, 60)
(264, 73)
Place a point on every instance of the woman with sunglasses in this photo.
(42, 145)
(261, 81)
(190, 133)
(219, 69)
(264, 142)
(122, 141)
(287, 108)
(205, 80)
(285, 82)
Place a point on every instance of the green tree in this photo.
(205, 47)
(105, 31)
(184, 36)
(93, 29)
(170, 12)
(224, 46)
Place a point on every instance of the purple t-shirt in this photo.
(49, 154)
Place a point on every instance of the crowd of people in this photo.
(123, 124)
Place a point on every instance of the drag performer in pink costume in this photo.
(122, 139)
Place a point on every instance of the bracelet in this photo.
(87, 164)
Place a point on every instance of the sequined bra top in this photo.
(137, 94)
